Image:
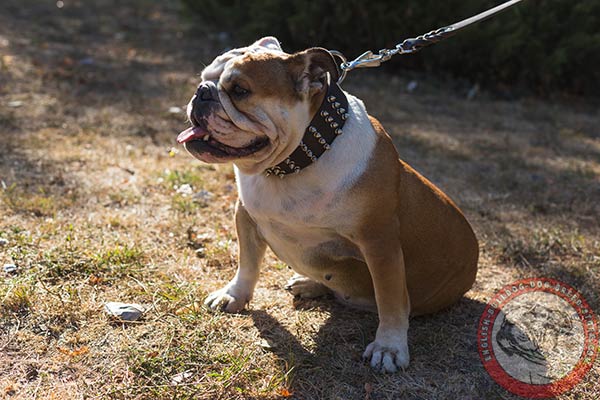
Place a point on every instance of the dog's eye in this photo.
(240, 91)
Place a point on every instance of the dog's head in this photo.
(254, 103)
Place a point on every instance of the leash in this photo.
(409, 46)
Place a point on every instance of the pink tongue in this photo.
(190, 134)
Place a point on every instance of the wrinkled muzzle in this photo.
(213, 136)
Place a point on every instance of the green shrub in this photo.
(540, 44)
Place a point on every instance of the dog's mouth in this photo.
(198, 141)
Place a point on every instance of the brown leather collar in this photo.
(325, 126)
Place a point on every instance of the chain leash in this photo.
(369, 59)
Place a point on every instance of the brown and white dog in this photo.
(358, 221)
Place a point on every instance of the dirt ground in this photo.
(98, 203)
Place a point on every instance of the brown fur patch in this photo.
(268, 75)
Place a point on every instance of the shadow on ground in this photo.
(333, 368)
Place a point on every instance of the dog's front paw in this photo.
(227, 299)
(387, 355)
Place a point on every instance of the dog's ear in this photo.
(269, 42)
(310, 68)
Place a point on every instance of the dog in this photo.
(321, 183)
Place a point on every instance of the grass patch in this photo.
(542, 245)
(73, 261)
(184, 204)
(16, 297)
(172, 179)
(38, 203)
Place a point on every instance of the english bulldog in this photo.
(320, 182)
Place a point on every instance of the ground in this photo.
(98, 203)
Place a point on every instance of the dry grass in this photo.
(90, 207)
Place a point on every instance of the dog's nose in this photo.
(207, 91)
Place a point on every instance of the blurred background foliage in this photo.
(545, 46)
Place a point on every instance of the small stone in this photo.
(203, 196)
(124, 311)
(87, 61)
(411, 86)
(3, 242)
(185, 190)
(175, 110)
(181, 377)
(15, 104)
(10, 268)
(474, 91)
(264, 344)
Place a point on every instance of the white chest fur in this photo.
(306, 210)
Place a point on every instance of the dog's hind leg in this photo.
(306, 288)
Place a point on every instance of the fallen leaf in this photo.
(10, 390)
(74, 353)
(68, 61)
(94, 280)
(368, 390)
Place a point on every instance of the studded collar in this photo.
(325, 126)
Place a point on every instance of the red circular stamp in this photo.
(537, 337)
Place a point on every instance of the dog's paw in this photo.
(226, 299)
(387, 356)
(305, 287)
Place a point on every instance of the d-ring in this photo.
(342, 66)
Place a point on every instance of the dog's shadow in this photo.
(443, 348)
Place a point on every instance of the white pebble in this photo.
(124, 311)
(185, 189)
(3, 242)
(411, 86)
(10, 268)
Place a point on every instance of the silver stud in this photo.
(338, 131)
(326, 146)
(313, 159)
(287, 161)
(344, 116)
(312, 129)
(341, 110)
(321, 141)
(334, 125)
(296, 170)
(331, 99)
(268, 172)
(317, 135)
(329, 119)
(292, 165)
(336, 105)
(324, 113)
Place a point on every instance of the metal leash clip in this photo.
(368, 59)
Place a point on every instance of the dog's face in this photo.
(254, 103)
